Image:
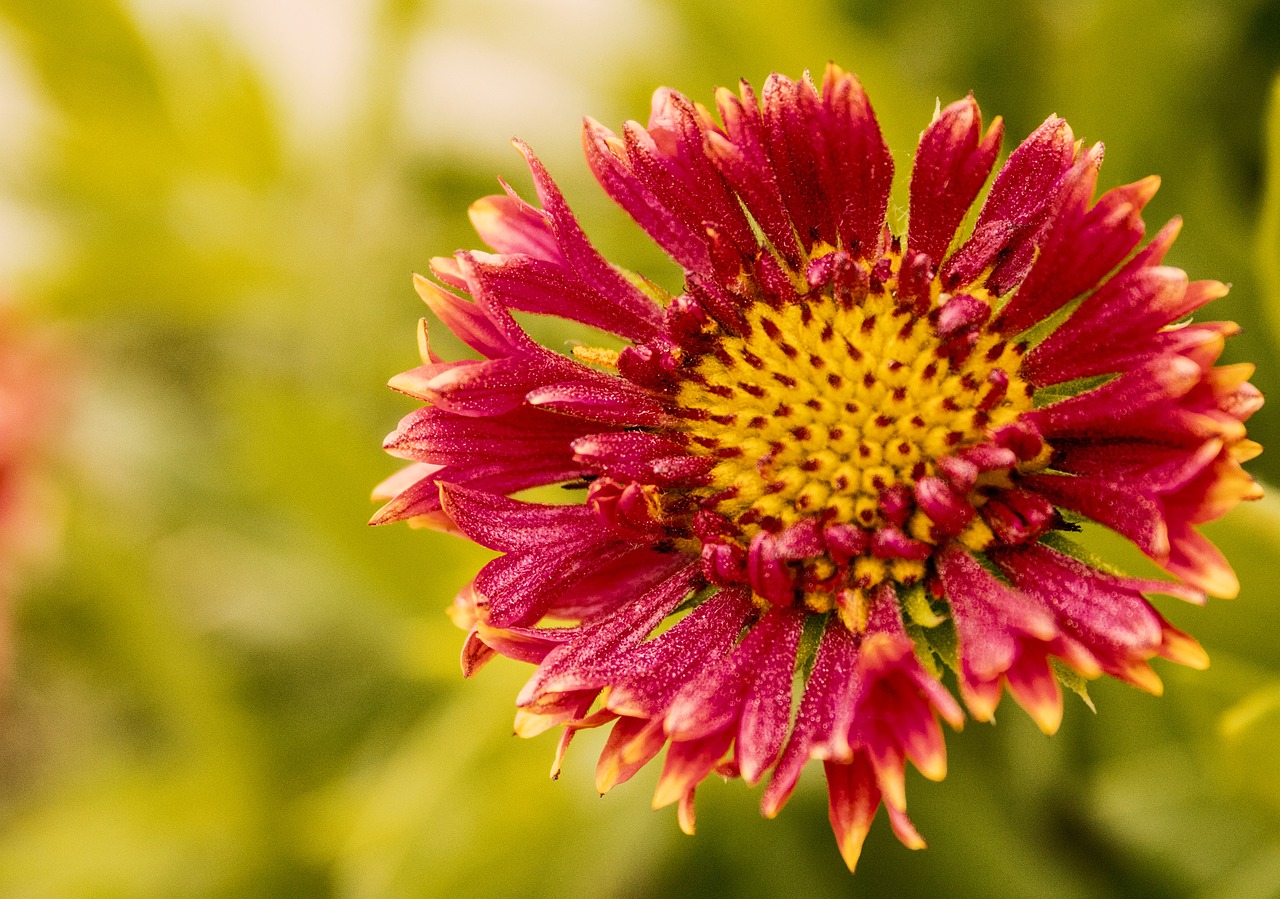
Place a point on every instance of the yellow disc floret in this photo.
(824, 407)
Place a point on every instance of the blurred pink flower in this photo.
(28, 407)
(836, 444)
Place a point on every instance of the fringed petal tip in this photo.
(1209, 571)
(1143, 676)
(1182, 648)
(981, 699)
(1044, 706)
(686, 814)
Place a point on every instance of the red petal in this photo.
(952, 163)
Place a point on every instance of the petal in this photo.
(997, 629)
(632, 744)
(1015, 210)
(1118, 507)
(794, 128)
(766, 710)
(1123, 406)
(1081, 246)
(490, 443)
(508, 525)
(1033, 685)
(579, 663)
(649, 676)
(714, 701)
(633, 455)
(1074, 349)
(687, 764)
(546, 288)
(952, 163)
(831, 684)
(490, 388)
(855, 165)
(510, 225)
(853, 798)
(742, 156)
(519, 588)
(607, 155)
(465, 319)
(583, 258)
(602, 398)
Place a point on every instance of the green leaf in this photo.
(1054, 392)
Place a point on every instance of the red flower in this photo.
(831, 423)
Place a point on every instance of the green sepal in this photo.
(651, 289)
(1068, 547)
(810, 638)
(1046, 396)
(915, 602)
(695, 599)
(1035, 334)
(1073, 517)
(1073, 681)
(942, 642)
(924, 652)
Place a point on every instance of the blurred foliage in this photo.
(226, 685)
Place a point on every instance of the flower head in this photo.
(836, 455)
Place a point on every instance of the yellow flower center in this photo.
(822, 408)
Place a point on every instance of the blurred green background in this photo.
(224, 684)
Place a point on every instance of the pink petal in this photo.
(519, 588)
(1015, 210)
(632, 744)
(510, 225)
(853, 798)
(606, 154)
(687, 764)
(1118, 507)
(742, 155)
(1082, 245)
(494, 387)
(508, 525)
(793, 125)
(830, 686)
(579, 663)
(605, 398)
(583, 258)
(766, 710)
(855, 165)
(546, 288)
(521, 436)
(648, 677)
(1120, 407)
(952, 163)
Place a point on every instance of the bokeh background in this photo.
(224, 684)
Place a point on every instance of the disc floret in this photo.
(852, 429)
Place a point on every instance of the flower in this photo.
(29, 403)
(836, 456)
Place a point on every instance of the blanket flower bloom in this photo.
(838, 455)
